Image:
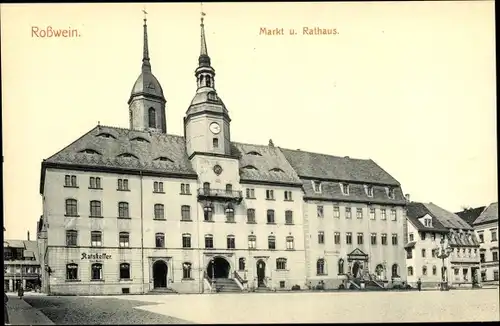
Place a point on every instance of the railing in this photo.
(220, 193)
(239, 278)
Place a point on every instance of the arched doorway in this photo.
(160, 271)
(355, 269)
(379, 271)
(261, 273)
(395, 271)
(218, 267)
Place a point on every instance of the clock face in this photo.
(214, 127)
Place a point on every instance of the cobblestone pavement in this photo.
(69, 310)
(329, 307)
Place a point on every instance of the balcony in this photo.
(220, 195)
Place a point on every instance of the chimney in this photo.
(28, 235)
(407, 196)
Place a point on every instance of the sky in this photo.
(410, 85)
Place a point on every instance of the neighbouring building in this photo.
(133, 210)
(427, 225)
(21, 265)
(470, 214)
(486, 227)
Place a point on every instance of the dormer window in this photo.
(106, 135)
(276, 170)
(90, 151)
(428, 222)
(140, 139)
(250, 167)
(212, 96)
(390, 192)
(163, 159)
(128, 155)
(345, 188)
(369, 191)
(254, 153)
(316, 186)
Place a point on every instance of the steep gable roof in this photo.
(321, 166)
(469, 215)
(490, 214)
(446, 218)
(415, 211)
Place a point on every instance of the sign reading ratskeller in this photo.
(95, 256)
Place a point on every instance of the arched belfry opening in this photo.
(218, 267)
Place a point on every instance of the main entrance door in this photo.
(261, 273)
(355, 269)
(218, 267)
(160, 271)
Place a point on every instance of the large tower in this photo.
(147, 102)
(206, 124)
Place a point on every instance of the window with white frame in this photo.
(345, 188)
(290, 243)
(96, 238)
(316, 186)
(96, 272)
(348, 213)
(252, 242)
(372, 213)
(336, 212)
(319, 210)
(369, 191)
(359, 213)
(281, 263)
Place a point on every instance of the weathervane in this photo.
(145, 13)
(202, 12)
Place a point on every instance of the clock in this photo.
(214, 128)
(217, 169)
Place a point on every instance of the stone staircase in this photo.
(262, 288)
(162, 291)
(226, 285)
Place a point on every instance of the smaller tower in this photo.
(207, 122)
(147, 102)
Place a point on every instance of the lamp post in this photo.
(443, 252)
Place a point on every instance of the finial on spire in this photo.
(146, 65)
(204, 59)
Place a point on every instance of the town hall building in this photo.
(135, 210)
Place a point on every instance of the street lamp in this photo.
(443, 252)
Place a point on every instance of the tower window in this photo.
(208, 81)
(215, 143)
(152, 118)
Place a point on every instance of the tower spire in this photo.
(204, 59)
(146, 65)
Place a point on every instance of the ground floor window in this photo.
(282, 284)
(124, 271)
(186, 270)
(72, 272)
(96, 271)
(483, 276)
(410, 271)
(320, 267)
(241, 264)
(281, 263)
(495, 275)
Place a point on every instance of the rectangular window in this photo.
(71, 238)
(123, 184)
(160, 240)
(288, 195)
(290, 243)
(394, 239)
(411, 236)
(159, 212)
(317, 186)
(231, 242)
(72, 272)
(336, 237)
(124, 241)
(96, 272)
(433, 236)
(209, 242)
(252, 242)
(494, 235)
(384, 239)
(383, 214)
(70, 181)
(95, 183)
(495, 256)
(409, 253)
(96, 239)
(369, 191)
(288, 217)
(250, 215)
(373, 238)
(271, 242)
(71, 207)
(158, 187)
(348, 213)
(319, 210)
(359, 213)
(185, 189)
(250, 193)
(281, 264)
(372, 213)
(270, 194)
(215, 143)
(270, 216)
(345, 189)
(123, 210)
(124, 271)
(186, 241)
(186, 213)
(186, 271)
(229, 215)
(393, 215)
(422, 236)
(321, 237)
(423, 253)
(336, 212)
(95, 208)
(348, 238)
(360, 238)
(481, 237)
(282, 284)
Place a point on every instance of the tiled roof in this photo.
(417, 210)
(264, 163)
(30, 247)
(154, 152)
(447, 219)
(14, 243)
(462, 239)
(469, 215)
(121, 148)
(321, 166)
(490, 214)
